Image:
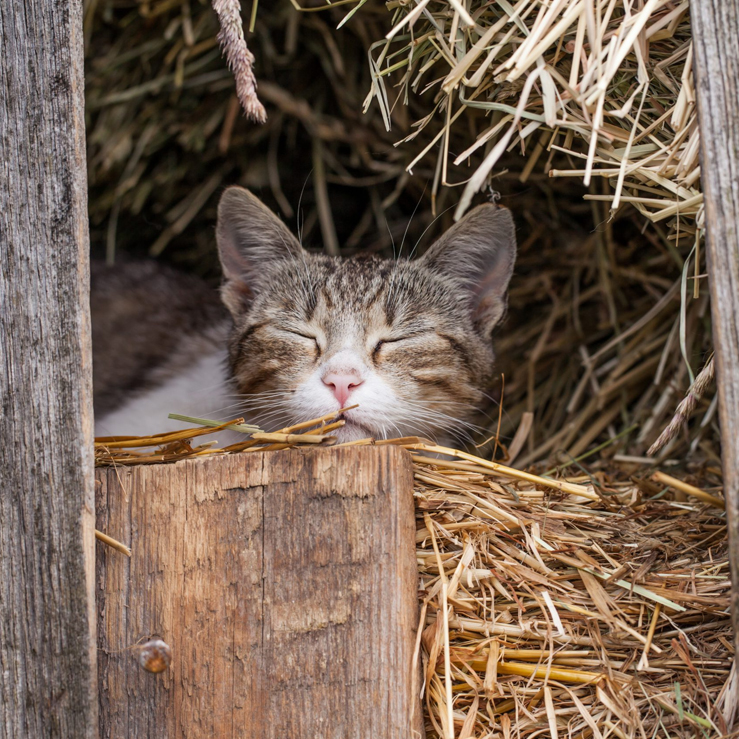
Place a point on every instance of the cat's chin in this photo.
(351, 431)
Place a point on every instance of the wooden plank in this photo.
(716, 44)
(285, 584)
(47, 641)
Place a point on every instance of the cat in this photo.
(297, 335)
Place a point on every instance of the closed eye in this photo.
(307, 337)
(395, 340)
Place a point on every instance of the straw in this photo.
(240, 59)
(573, 80)
(508, 633)
(686, 408)
(664, 479)
(111, 542)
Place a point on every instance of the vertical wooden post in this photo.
(47, 644)
(716, 48)
(285, 584)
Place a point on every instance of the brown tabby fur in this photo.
(148, 322)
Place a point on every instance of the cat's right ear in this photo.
(478, 252)
(251, 241)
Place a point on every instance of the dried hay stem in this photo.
(686, 407)
(688, 489)
(240, 59)
(111, 542)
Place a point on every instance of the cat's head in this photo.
(407, 341)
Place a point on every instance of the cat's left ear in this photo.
(478, 252)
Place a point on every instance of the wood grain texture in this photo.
(716, 44)
(285, 583)
(47, 641)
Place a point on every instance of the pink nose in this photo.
(341, 385)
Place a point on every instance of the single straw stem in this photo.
(673, 482)
(111, 542)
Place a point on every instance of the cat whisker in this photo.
(243, 406)
(298, 212)
(415, 246)
(435, 415)
(424, 406)
(272, 421)
(430, 425)
(260, 400)
(410, 220)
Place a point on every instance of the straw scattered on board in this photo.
(583, 607)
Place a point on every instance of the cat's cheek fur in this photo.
(265, 364)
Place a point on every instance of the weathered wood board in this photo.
(716, 44)
(47, 617)
(286, 585)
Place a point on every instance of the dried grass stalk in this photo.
(240, 59)
(686, 408)
(111, 542)
(684, 487)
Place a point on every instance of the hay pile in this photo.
(560, 616)
(166, 134)
(610, 85)
(610, 88)
(591, 606)
(603, 337)
(609, 318)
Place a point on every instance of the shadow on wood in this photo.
(285, 583)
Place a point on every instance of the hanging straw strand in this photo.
(240, 59)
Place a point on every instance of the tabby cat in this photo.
(299, 335)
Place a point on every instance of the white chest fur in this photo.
(202, 390)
